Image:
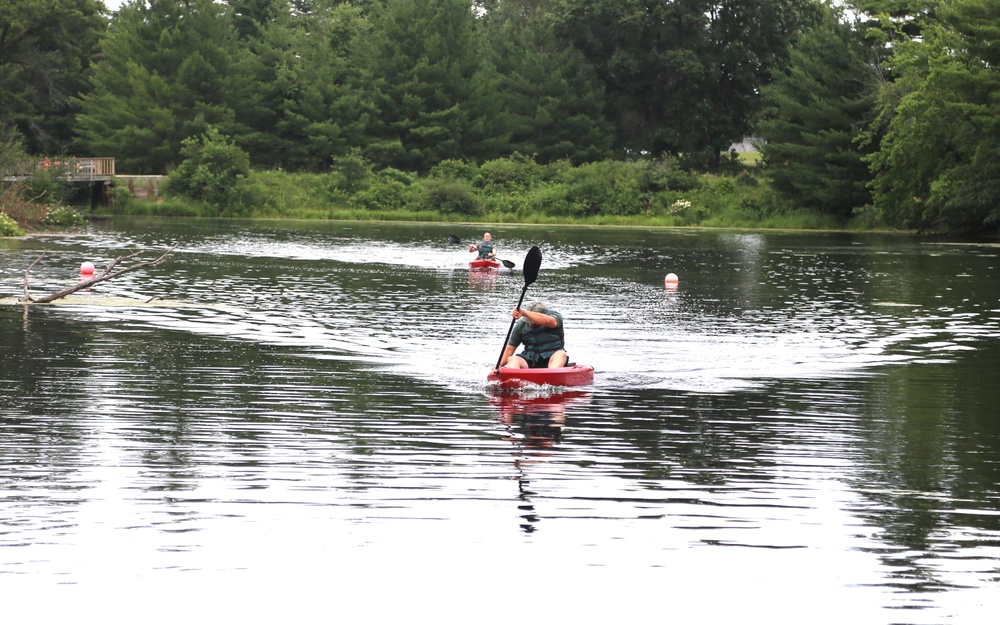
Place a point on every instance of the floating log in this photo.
(109, 272)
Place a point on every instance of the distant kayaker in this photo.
(486, 248)
(540, 330)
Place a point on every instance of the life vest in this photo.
(541, 342)
(485, 249)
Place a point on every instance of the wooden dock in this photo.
(97, 171)
(86, 169)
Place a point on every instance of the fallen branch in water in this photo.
(108, 273)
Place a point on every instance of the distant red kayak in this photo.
(574, 375)
(483, 264)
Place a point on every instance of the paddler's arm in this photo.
(537, 318)
(507, 353)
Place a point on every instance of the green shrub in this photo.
(120, 197)
(747, 179)
(286, 193)
(16, 202)
(396, 175)
(449, 195)
(9, 227)
(48, 183)
(455, 170)
(217, 172)
(174, 208)
(603, 188)
(515, 173)
(391, 189)
(64, 217)
(555, 170)
(550, 199)
(351, 173)
(665, 174)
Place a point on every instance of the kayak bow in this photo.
(483, 264)
(574, 375)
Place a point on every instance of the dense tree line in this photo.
(879, 107)
(893, 107)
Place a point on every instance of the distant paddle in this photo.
(532, 262)
(506, 263)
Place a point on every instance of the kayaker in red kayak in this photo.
(486, 248)
(540, 330)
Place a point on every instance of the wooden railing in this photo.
(78, 169)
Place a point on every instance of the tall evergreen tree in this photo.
(251, 16)
(553, 104)
(167, 73)
(309, 104)
(45, 51)
(815, 112)
(685, 75)
(431, 88)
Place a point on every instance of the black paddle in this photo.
(531, 264)
(506, 263)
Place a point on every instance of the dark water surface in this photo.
(806, 429)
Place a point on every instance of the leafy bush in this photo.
(396, 175)
(665, 174)
(64, 217)
(217, 172)
(9, 227)
(455, 170)
(551, 199)
(449, 195)
(168, 208)
(48, 183)
(556, 170)
(515, 173)
(120, 198)
(391, 189)
(351, 173)
(603, 188)
(16, 204)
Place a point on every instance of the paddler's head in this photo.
(537, 306)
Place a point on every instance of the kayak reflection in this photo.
(483, 279)
(539, 418)
(534, 425)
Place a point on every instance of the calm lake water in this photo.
(805, 429)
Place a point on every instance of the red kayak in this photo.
(483, 264)
(573, 375)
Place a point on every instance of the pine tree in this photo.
(683, 75)
(430, 87)
(167, 73)
(310, 104)
(46, 47)
(553, 104)
(815, 113)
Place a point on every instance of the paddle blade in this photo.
(454, 239)
(509, 264)
(532, 262)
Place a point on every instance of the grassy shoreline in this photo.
(514, 190)
(509, 191)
